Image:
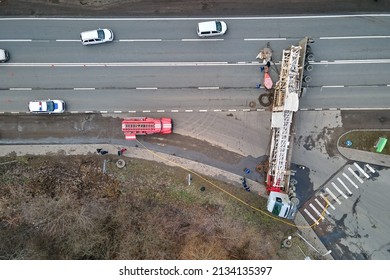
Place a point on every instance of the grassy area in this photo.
(365, 140)
(64, 207)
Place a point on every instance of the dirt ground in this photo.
(125, 8)
(85, 207)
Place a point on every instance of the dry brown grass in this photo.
(64, 207)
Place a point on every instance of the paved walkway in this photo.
(19, 150)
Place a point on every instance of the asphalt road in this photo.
(351, 54)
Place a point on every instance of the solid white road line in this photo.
(328, 202)
(317, 212)
(265, 39)
(340, 192)
(311, 216)
(370, 168)
(356, 176)
(83, 88)
(20, 88)
(322, 206)
(361, 170)
(356, 37)
(140, 40)
(345, 187)
(332, 195)
(350, 180)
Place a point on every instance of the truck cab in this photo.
(280, 205)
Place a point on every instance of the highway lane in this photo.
(349, 51)
(138, 100)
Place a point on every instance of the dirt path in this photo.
(129, 8)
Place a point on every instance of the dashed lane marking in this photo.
(322, 206)
(311, 216)
(356, 176)
(325, 199)
(317, 212)
(361, 170)
(345, 187)
(340, 192)
(350, 180)
(370, 168)
(333, 196)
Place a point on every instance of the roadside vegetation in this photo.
(64, 207)
(365, 140)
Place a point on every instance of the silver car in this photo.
(97, 36)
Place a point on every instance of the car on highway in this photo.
(211, 28)
(4, 55)
(47, 106)
(97, 36)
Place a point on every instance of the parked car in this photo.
(97, 36)
(47, 106)
(211, 28)
(4, 55)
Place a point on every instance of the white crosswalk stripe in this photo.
(327, 201)
(340, 192)
(345, 187)
(311, 216)
(370, 168)
(350, 180)
(332, 195)
(317, 212)
(361, 170)
(356, 176)
(322, 206)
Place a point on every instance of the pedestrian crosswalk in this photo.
(339, 189)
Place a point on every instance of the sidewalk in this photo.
(141, 153)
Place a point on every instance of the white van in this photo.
(211, 28)
(97, 36)
(4, 55)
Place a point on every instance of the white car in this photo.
(211, 28)
(47, 106)
(4, 55)
(97, 36)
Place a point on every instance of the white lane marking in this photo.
(132, 111)
(126, 64)
(335, 86)
(340, 192)
(188, 111)
(104, 112)
(350, 180)
(140, 40)
(146, 88)
(356, 37)
(87, 112)
(232, 110)
(217, 110)
(117, 112)
(16, 40)
(311, 216)
(327, 202)
(322, 206)
(20, 88)
(64, 40)
(83, 88)
(265, 39)
(202, 110)
(361, 170)
(208, 87)
(174, 111)
(160, 111)
(332, 195)
(206, 40)
(345, 187)
(200, 18)
(370, 168)
(246, 110)
(356, 176)
(146, 111)
(317, 212)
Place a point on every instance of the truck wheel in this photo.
(309, 67)
(310, 56)
(307, 79)
(120, 163)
